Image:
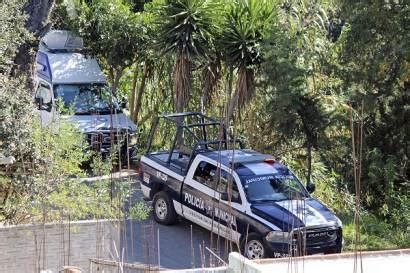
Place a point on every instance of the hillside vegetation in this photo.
(290, 77)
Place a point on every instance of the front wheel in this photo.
(254, 247)
(164, 212)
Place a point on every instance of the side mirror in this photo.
(311, 187)
(124, 105)
(39, 102)
(225, 197)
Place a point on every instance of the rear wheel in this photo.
(253, 247)
(164, 212)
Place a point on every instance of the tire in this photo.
(163, 207)
(253, 247)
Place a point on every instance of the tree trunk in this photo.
(233, 103)
(243, 91)
(182, 89)
(229, 94)
(38, 12)
(182, 82)
(133, 90)
(140, 93)
(309, 172)
(116, 80)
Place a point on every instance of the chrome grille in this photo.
(316, 236)
(103, 140)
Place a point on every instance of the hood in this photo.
(290, 214)
(92, 123)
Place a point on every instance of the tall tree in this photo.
(375, 69)
(114, 33)
(304, 101)
(244, 29)
(186, 32)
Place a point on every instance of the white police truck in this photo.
(245, 196)
(71, 85)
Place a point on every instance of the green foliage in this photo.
(12, 32)
(15, 118)
(186, 30)
(296, 67)
(112, 31)
(310, 81)
(44, 183)
(243, 30)
(187, 27)
(58, 155)
(328, 188)
(47, 186)
(375, 234)
(375, 69)
(140, 211)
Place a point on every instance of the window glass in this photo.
(205, 174)
(225, 180)
(273, 187)
(43, 91)
(86, 98)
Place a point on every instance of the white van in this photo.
(72, 86)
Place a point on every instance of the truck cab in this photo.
(71, 86)
(244, 196)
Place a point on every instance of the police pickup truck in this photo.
(242, 195)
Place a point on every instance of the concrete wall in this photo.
(30, 248)
(104, 266)
(371, 261)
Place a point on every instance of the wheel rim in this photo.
(255, 249)
(161, 209)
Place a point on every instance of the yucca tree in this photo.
(186, 32)
(242, 35)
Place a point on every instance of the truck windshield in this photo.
(272, 187)
(83, 99)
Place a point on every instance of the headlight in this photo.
(277, 236)
(132, 139)
(339, 222)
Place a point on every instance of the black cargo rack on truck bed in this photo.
(194, 133)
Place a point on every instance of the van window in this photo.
(43, 91)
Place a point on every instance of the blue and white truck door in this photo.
(230, 214)
(198, 196)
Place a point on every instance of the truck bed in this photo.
(179, 162)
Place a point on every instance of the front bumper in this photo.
(106, 142)
(308, 242)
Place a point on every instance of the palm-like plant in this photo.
(186, 31)
(244, 30)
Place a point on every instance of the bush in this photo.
(375, 233)
(140, 211)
